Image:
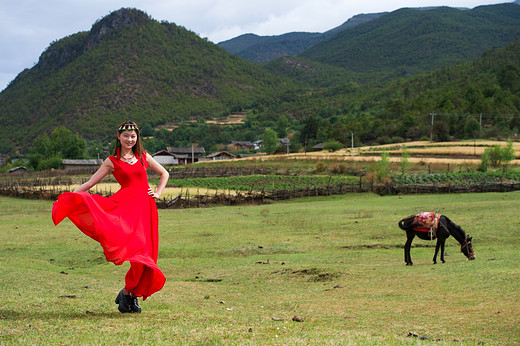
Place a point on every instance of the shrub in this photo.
(405, 163)
(338, 168)
(483, 166)
(383, 167)
(499, 156)
(321, 167)
(53, 162)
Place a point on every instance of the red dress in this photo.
(125, 224)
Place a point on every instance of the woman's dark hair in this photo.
(138, 148)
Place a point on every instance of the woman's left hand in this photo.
(152, 193)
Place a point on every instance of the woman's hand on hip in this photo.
(153, 194)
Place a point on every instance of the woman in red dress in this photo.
(126, 223)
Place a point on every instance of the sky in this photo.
(28, 27)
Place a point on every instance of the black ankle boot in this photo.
(124, 302)
(134, 305)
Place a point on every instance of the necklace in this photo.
(129, 160)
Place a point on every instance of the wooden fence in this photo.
(392, 189)
(50, 188)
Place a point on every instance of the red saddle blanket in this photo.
(426, 222)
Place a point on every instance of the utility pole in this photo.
(431, 131)
(193, 146)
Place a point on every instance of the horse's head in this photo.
(467, 248)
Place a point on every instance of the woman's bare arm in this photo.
(159, 169)
(106, 167)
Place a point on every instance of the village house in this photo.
(187, 155)
(221, 155)
(164, 157)
(284, 142)
(242, 155)
(18, 170)
(241, 145)
(83, 165)
(318, 147)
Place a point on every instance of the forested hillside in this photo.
(486, 89)
(408, 41)
(128, 66)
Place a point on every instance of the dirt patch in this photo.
(232, 119)
(311, 274)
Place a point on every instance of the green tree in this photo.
(270, 141)
(310, 129)
(147, 130)
(471, 128)
(281, 126)
(42, 145)
(67, 144)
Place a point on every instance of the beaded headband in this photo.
(128, 127)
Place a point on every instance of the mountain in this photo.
(262, 49)
(400, 108)
(128, 66)
(409, 40)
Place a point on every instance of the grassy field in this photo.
(239, 275)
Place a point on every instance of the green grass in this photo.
(263, 182)
(457, 178)
(336, 262)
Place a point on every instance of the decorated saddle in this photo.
(426, 222)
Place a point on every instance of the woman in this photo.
(126, 223)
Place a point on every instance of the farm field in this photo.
(239, 275)
(422, 152)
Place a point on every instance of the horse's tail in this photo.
(406, 223)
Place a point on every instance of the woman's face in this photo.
(127, 139)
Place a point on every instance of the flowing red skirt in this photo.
(126, 226)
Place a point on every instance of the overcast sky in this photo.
(27, 27)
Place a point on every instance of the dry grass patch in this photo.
(424, 151)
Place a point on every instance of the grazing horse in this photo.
(429, 226)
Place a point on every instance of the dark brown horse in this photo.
(441, 232)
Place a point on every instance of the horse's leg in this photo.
(437, 245)
(409, 237)
(442, 249)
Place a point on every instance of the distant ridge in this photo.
(408, 40)
(262, 49)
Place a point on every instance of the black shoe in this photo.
(124, 302)
(135, 306)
